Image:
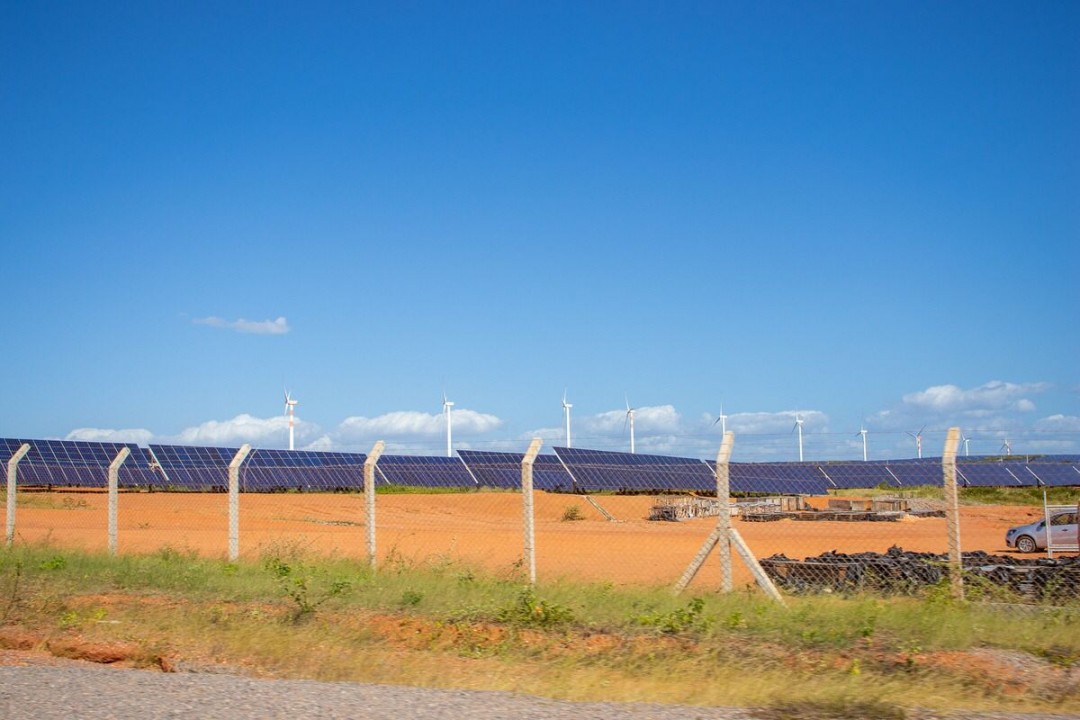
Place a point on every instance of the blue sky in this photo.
(864, 213)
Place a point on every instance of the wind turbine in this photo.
(798, 426)
(1007, 447)
(630, 420)
(863, 431)
(566, 412)
(290, 406)
(446, 406)
(918, 440)
(967, 444)
(722, 420)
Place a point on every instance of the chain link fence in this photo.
(877, 539)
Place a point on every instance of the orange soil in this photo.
(484, 529)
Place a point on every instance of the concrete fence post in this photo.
(528, 510)
(114, 494)
(723, 521)
(952, 512)
(234, 501)
(369, 498)
(12, 487)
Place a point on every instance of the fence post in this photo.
(12, 485)
(114, 492)
(952, 512)
(369, 498)
(723, 521)
(528, 510)
(234, 501)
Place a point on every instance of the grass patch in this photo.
(411, 490)
(444, 624)
(1028, 496)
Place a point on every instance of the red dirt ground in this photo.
(484, 529)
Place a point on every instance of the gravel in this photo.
(91, 692)
(97, 693)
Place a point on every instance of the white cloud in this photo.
(775, 422)
(253, 327)
(410, 423)
(650, 419)
(244, 428)
(994, 395)
(139, 436)
(1059, 423)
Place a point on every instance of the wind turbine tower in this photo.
(290, 406)
(863, 432)
(722, 420)
(447, 405)
(798, 426)
(967, 444)
(566, 412)
(630, 420)
(918, 440)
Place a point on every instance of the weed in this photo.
(300, 588)
(169, 554)
(528, 610)
(690, 618)
(411, 598)
(56, 562)
(571, 513)
(11, 597)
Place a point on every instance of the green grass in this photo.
(412, 490)
(292, 614)
(975, 495)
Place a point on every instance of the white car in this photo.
(1032, 537)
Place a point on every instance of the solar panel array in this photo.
(503, 470)
(67, 463)
(782, 478)
(72, 464)
(190, 467)
(270, 470)
(600, 470)
(424, 471)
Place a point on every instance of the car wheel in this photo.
(1025, 544)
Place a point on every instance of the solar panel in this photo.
(984, 474)
(1055, 474)
(549, 474)
(269, 470)
(191, 467)
(777, 478)
(924, 471)
(495, 469)
(65, 463)
(856, 474)
(136, 471)
(8, 447)
(601, 470)
(424, 471)
(503, 470)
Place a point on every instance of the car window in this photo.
(1063, 519)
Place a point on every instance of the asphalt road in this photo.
(91, 692)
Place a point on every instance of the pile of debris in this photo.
(675, 509)
(898, 572)
(884, 509)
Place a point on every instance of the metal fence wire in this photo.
(580, 515)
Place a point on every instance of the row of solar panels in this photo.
(183, 467)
